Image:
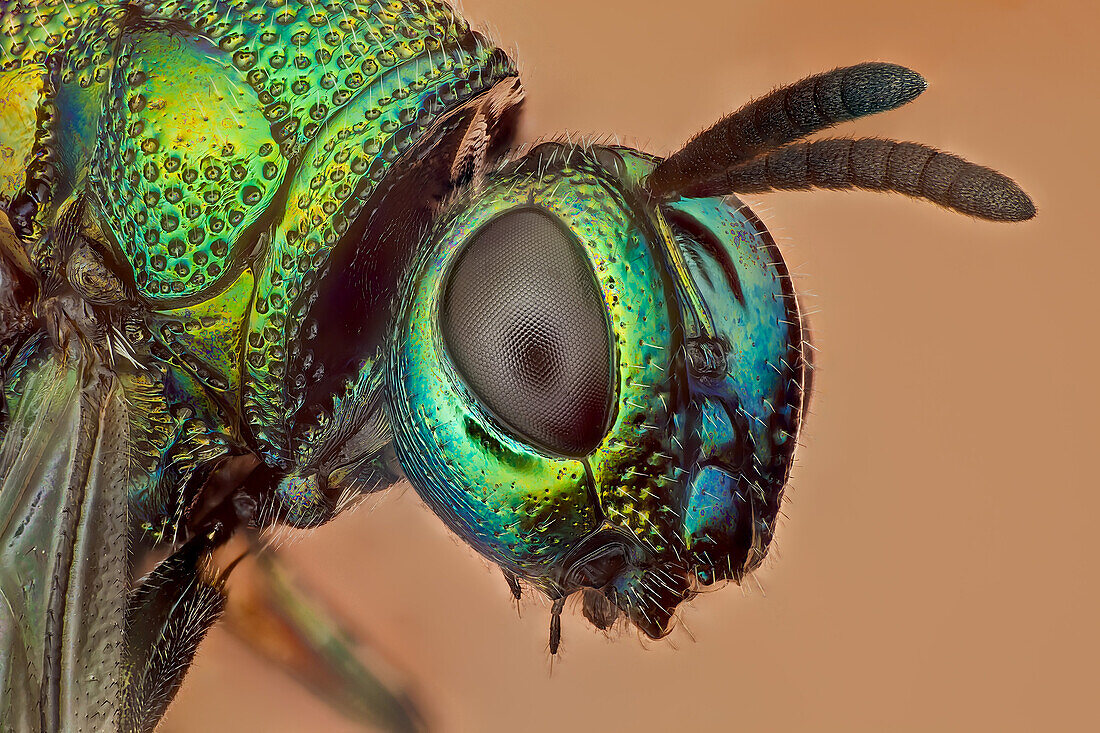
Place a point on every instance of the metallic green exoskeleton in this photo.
(260, 258)
(177, 180)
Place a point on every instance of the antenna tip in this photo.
(876, 87)
(1016, 206)
(991, 195)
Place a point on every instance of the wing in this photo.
(63, 558)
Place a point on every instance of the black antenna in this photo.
(878, 165)
(783, 116)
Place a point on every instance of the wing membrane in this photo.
(63, 554)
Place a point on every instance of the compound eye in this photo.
(526, 325)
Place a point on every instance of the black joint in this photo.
(707, 359)
(22, 213)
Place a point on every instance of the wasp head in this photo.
(599, 370)
(599, 391)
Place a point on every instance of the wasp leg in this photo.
(170, 611)
(287, 624)
(166, 618)
(164, 503)
(555, 624)
(513, 584)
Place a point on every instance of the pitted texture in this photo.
(185, 163)
(526, 324)
(209, 103)
(191, 118)
(339, 172)
(202, 133)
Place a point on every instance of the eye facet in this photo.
(525, 323)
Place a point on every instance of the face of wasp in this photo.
(598, 392)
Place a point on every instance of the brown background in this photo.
(936, 565)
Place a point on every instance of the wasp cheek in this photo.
(713, 514)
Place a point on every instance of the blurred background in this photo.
(935, 567)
